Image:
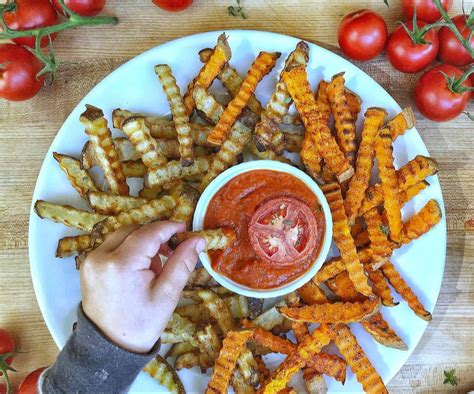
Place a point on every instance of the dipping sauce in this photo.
(279, 224)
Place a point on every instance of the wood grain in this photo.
(28, 128)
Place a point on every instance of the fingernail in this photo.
(200, 246)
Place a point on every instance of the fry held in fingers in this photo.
(215, 239)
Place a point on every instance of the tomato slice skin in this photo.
(283, 231)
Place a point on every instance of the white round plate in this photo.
(134, 86)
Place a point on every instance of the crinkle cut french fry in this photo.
(356, 358)
(200, 278)
(311, 345)
(328, 364)
(379, 243)
(146, 146)
(239, 384)
(186, 201)
(219, 238)
(343, 238)
(347, 312)
(180, 114)
(219, 57)
(402, 288)
(218, 309)
(112, 204)
(134, 169)
(67, 215)
(342, 286)
(266, 155)
(232, 81)
(263, 64)
(422, 222)
(293, 142)
(322, 101)
(402, 122)
(68, 246)
(150, 193)
(153, 210)
(232, 347)
(165, 374)
(317, 134)
(273, 342)
(389, 182)
(267, 132)
(208, 341)
(380, 286)
(379, 329)
(344, 123)
(101, 138)
(354, 102)
(359, 183)
(416, 170)
(80, 179)
(174, 170)
(311, 294)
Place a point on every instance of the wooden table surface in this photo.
(28, 128)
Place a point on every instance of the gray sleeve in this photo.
(92, 363)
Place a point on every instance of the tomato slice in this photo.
(283, 231)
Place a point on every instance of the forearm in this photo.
(89, 362)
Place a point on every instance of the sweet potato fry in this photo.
(263, 65)
(344, 123)
(79, 177)
(416, 170)
(365, 157)
(112, 204)
(101, 138)
(342, 286)
(328, 364)
(322, 102)
(267, 132)
(354, 102)
(215, 239)
(179, 111)
(402, 288)
(232, 81)
(219, 57)
(380, 286)
(318, 140)
(312, 294)
(402, 122)
(146, 146)
(273, 342)
(357, 359)
(68, 246)
(422, 222)
(343, 239)
(347, 312)
(174, 170)
(378, 234)
(233, 345)
(186, 199)
(389, 182)
(67, 215)
(152, 210)
(164, 374)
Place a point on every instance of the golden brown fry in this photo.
(200, 278)
(219, 238)
(343, 239)
(193, 359)
(146, 146)
(186, 199)
(67, 215)
(266, 155)
(267, 132)
(361, 239)
(179, 111)
(134, 169)
(79, 178)
(402, 122)
(342, 286)
(150, 193)
(101, 138)
(312, 294)
(174, 170)
(365, 157)
(165, 374)
(271, 319)
(354, 102)
(273, 342)
(178, 349)
(328, 364)
(218, 309)
(68, 246)
(318, 140)
(357, 360)
(209, 71)
(112, 204)
(344, 122)
(178, 329)
(416, 170)
(239, 384)
(293, 141)
(153, 210)
(422, 222)
(378, 234)
(338, 312)
(389, 182)
(123, 146)
(208, 341)
(379, 329)
(232, 347)
(402, 288)
(263, 65)
(380, 286)
(322, 101)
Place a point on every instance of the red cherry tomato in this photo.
(426, 10)
(451, 50)
(434, 98)
(81, 7)
(362, 35)
(30, 383)
(283, 231)
(30, 14)
(7, 345)
(173, 5)
(18, 70)
(408, 57)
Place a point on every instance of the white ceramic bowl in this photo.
(223, 179)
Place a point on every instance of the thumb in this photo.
(174, 275)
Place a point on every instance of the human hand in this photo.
(125, 290)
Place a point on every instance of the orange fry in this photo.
(378, 232)
(312, 294)
(422, 222)
(389, 182)
(402, 288)
(318, 140)
(262, 66)
(357, 360)
(402, 122)
(342, 286)
(416, 170)
(232, 346)
(273, 342)
(354, 102)
(343, 239)
(379, 329)
(365, 158)
(380, 286)
(322, 101)
(330, 365)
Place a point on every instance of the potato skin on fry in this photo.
(219, 238)
(68, 246)
(402, 122)
(161, 371)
